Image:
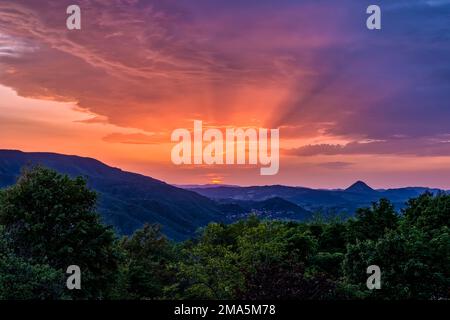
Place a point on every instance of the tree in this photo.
(207, 270)
(428, 212)
(19, 279)
(50, 219)
(226, 261)
(149, 263)
(333, 237)
(372, 223)
(412, 267)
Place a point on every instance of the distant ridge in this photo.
(327, 202)
(360, 187)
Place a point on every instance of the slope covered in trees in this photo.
(125, 200)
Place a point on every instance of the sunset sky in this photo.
(351, 103)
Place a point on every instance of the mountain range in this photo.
(326, 202)
(128, 200)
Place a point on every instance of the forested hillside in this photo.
(125, 200)
(48, 221)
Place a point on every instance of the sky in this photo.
(351, 103)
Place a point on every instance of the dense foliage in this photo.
(48, 222)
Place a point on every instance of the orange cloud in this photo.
(136, 138)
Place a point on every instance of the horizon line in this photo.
(181, 185)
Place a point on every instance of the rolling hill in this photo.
(126, 200)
